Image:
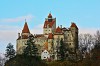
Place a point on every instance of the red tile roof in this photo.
(74, 25)
(39, 35)
(58, 30)
(50, 36)
(48, 23)
(25, 29)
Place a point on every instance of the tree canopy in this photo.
(61, 51)
(10, 52)
(30, 49)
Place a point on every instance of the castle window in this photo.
(69, 43)
(71, 49)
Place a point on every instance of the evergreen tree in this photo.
(10, 52)
(31, 49)
(62, 50)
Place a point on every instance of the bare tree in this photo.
(96, 50)
(2, 60)
(97, 39)
(86, 42)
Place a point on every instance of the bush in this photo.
(21, 60)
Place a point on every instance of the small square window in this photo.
(71, 49)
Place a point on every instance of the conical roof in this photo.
(74, 25)
(50, 15)
(58, 30)
(25, 29)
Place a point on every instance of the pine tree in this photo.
(31, 49)
(10, 52)
(62, 50)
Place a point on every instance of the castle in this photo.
(49, 41)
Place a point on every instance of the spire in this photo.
(25, 20)
(25, 29)
(50, 15)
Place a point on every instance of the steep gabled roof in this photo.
(74, 25)
(25, 29)
(58, 30)
(50, 24)
(50, 36)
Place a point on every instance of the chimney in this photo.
(18, 35)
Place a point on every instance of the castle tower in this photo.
(50, 41)
(74, 31)
(71, 38)
(22, 39)
(49, 25)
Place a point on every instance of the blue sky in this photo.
(85, 13)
